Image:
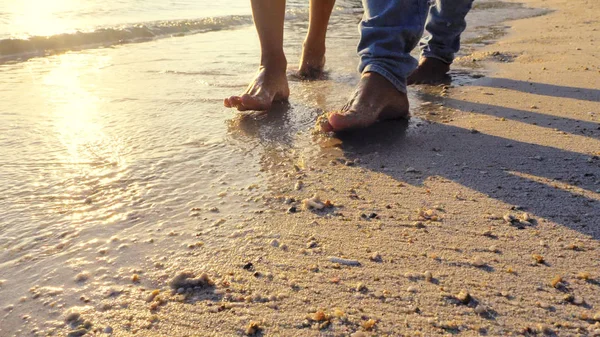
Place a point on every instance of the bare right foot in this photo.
(374, 99)
(270, 85)
(430, 71)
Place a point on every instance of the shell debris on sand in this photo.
(313, 203)
(369, 324)
(253, 328)
(345, 262)
(187, 279)
(464, 297)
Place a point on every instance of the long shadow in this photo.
(485, 164)
(570, 125)
(542, 88)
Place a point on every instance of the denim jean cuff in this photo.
(430, 55)
(399, 83)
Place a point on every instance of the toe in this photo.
(234, 102)
(226, 103)
(250, 102)
(338, 122)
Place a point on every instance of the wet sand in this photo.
(479, 217)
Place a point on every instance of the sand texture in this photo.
(481, 218)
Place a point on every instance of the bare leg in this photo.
(270, 83)
(313, 53)
(374, 99)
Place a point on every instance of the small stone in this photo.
(546, 330)
(292, 209)
(368, 325)
(82, 277)
(108, 330)
(275, 243)
(538, 258)
(319, 316)
(311, 244)
(428, 276)
(253, 328)
(412, 289)
(135, 278)
(361, 287)
(583, 276)
(464, 297)
(478, 262)
(412, 170)
(480, 309)
(556, 281)
(418, 224)
(298, 185)
(375, 257)
(509, 218)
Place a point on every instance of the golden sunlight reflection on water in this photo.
(39, 17)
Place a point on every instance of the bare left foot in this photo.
(430, 71)
(374, 99)
(312, 61)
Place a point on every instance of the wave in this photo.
(105, 37)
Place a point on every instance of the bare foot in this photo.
(374, 99)
(430, 71)
(270, 85)
(312, 61)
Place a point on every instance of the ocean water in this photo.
(115, 149)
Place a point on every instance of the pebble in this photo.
(412, 289)
(464, 297)
(358, 334)
(82, 277)
(292, 209)
(411, 170)
(556, 281)
(361, 287)
(478, 262)
(375, 257)
(253, 328)
(108, 330)
(345, 262)
(428, 276)
(275, 243)
(298, 185)
(480, 309)
(313, 203)
(187, 279)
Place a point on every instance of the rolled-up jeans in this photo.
(445, 23)
(391, 29)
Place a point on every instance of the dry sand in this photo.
(483, 221)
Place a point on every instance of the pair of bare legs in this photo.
(270, 83)
(374, 98)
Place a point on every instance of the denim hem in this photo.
(400, 84)
(430, 55)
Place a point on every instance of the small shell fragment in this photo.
(313, 203)
(345, 262)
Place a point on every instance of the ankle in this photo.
(314, 46)
(273, 61)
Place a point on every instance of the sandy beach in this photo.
(479, 217)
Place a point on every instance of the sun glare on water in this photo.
(40, 17)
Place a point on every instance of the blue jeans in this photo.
(391, 29)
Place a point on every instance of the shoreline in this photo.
(477, 218)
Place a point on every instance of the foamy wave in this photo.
(42, 45)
